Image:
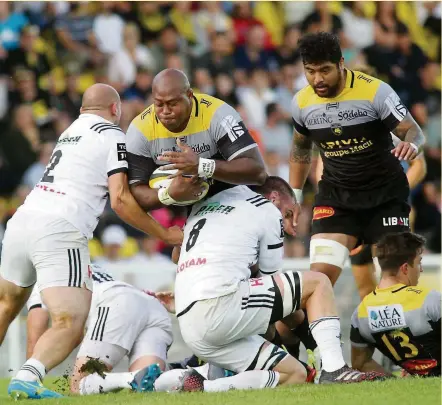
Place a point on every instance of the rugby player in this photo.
(400, 319)
(361, 258)
(123, 321)
(46, 239)
(222, 311)
(196, 133)
(348, 115)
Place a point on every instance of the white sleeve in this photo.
(271, 244)
(116, 153)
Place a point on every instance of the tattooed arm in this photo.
(409, 132)
(300, 160)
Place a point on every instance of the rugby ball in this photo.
(160, 179)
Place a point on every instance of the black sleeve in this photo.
(140, 168)
(239, 139)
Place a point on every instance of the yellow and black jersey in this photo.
(404, 323)
(215, 130)
(352, 131)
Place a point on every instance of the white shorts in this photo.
(35, 300)
(49, 249)
(225, 331)
(131, 320)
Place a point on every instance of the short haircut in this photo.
(319, 48)
(274, 183)
(396, 249)
(271, 108)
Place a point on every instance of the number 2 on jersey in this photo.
(194, 233)
(55, 160)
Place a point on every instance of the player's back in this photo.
(221, 242)
(74, 184)
(404, 324)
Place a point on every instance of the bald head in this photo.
(172, 97)
(103, 100)
(171, 81)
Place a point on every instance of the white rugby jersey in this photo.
(224, 236)
(75, 183)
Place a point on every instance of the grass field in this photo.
(400, 392)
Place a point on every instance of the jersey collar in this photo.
(350, 79)
(393, 289)
(89, 115)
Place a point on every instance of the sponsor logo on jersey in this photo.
(343, 147)
(198, 149)
(367, 79)
(205, 102)
(421, 367)
(386, 317)
(322, 212)
(214, 208)
(350, 115)
(121, 151)
(336, 129)
(281, 222)
(319, 119)
(332, 106)
(233, 128)
(394, 221)
(189, 263)
(71, 140)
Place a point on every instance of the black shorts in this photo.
(338, 211)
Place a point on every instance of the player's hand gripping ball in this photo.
(160, 178)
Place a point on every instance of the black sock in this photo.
(293, 349)
(303, 332)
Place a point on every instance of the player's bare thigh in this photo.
(332, 271)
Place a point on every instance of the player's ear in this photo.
(275, 198)
(404, 268)
(341, 64)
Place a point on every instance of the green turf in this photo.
(412, 391)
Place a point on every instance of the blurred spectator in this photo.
(26, 56)
(321, 19)
(275, 164)
(356, 26)
(69, 102)
(276, 133)
(256, 96)
(288, 53)
(225, 89)
(123, 65)
(219, 58)
(148, 255)
(212, 19)
(112, 240)
(253, 54)
(34, 173)
(243, 22)
(170, 44)
(11, 25)
(292, 79)
(150, 20)
(108, 29)
(75, 34)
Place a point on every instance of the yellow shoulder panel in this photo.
(410, 298)
(144, 122)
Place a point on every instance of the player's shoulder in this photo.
(212, 110)
(96, 124)
(208, 105)
(144, 121)
(304, 97)
(365, 86)
(264, 206)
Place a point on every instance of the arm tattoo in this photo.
(301, 149)
(409, 131)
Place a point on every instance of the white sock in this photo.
(327, 334)
(255, 379)
(32, 370)
(95, 384)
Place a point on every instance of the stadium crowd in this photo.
(244, 53)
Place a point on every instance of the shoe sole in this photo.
(148, 381)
